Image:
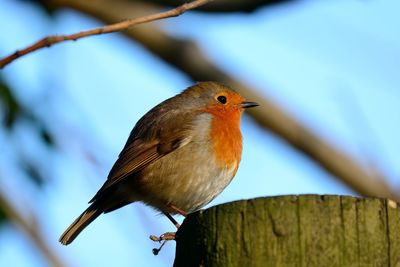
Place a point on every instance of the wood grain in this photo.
(307, 230)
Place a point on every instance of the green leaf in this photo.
(46, 136)
(33, 172)
(11, 107)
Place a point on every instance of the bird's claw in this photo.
(164, 237)
(155, 238)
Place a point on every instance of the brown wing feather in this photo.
(133, 158)
(144, 148)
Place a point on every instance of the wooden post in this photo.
(308, 230)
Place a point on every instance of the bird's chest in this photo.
(194, 174)
(226, 142)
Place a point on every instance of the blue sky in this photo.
(332, 64)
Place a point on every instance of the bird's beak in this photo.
(247, 104)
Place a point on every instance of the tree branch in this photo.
(224, 5)
(187, 57)
(123, 25)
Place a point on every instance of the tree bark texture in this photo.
(307, 230)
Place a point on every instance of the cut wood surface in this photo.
(307, 230)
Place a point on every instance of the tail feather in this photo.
(80, 223)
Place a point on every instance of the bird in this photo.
(179, 156)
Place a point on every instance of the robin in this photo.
(179, 156)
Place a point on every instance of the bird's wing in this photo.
(146, 144)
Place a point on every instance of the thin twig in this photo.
(123, 25)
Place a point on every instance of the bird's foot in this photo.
(164, 238)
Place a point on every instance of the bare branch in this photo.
(120, 26)
(187, 57)
(223, 6)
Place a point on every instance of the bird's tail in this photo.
(80, 223)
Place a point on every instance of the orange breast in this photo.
(226, 137)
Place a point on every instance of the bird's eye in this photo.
(222, 99)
